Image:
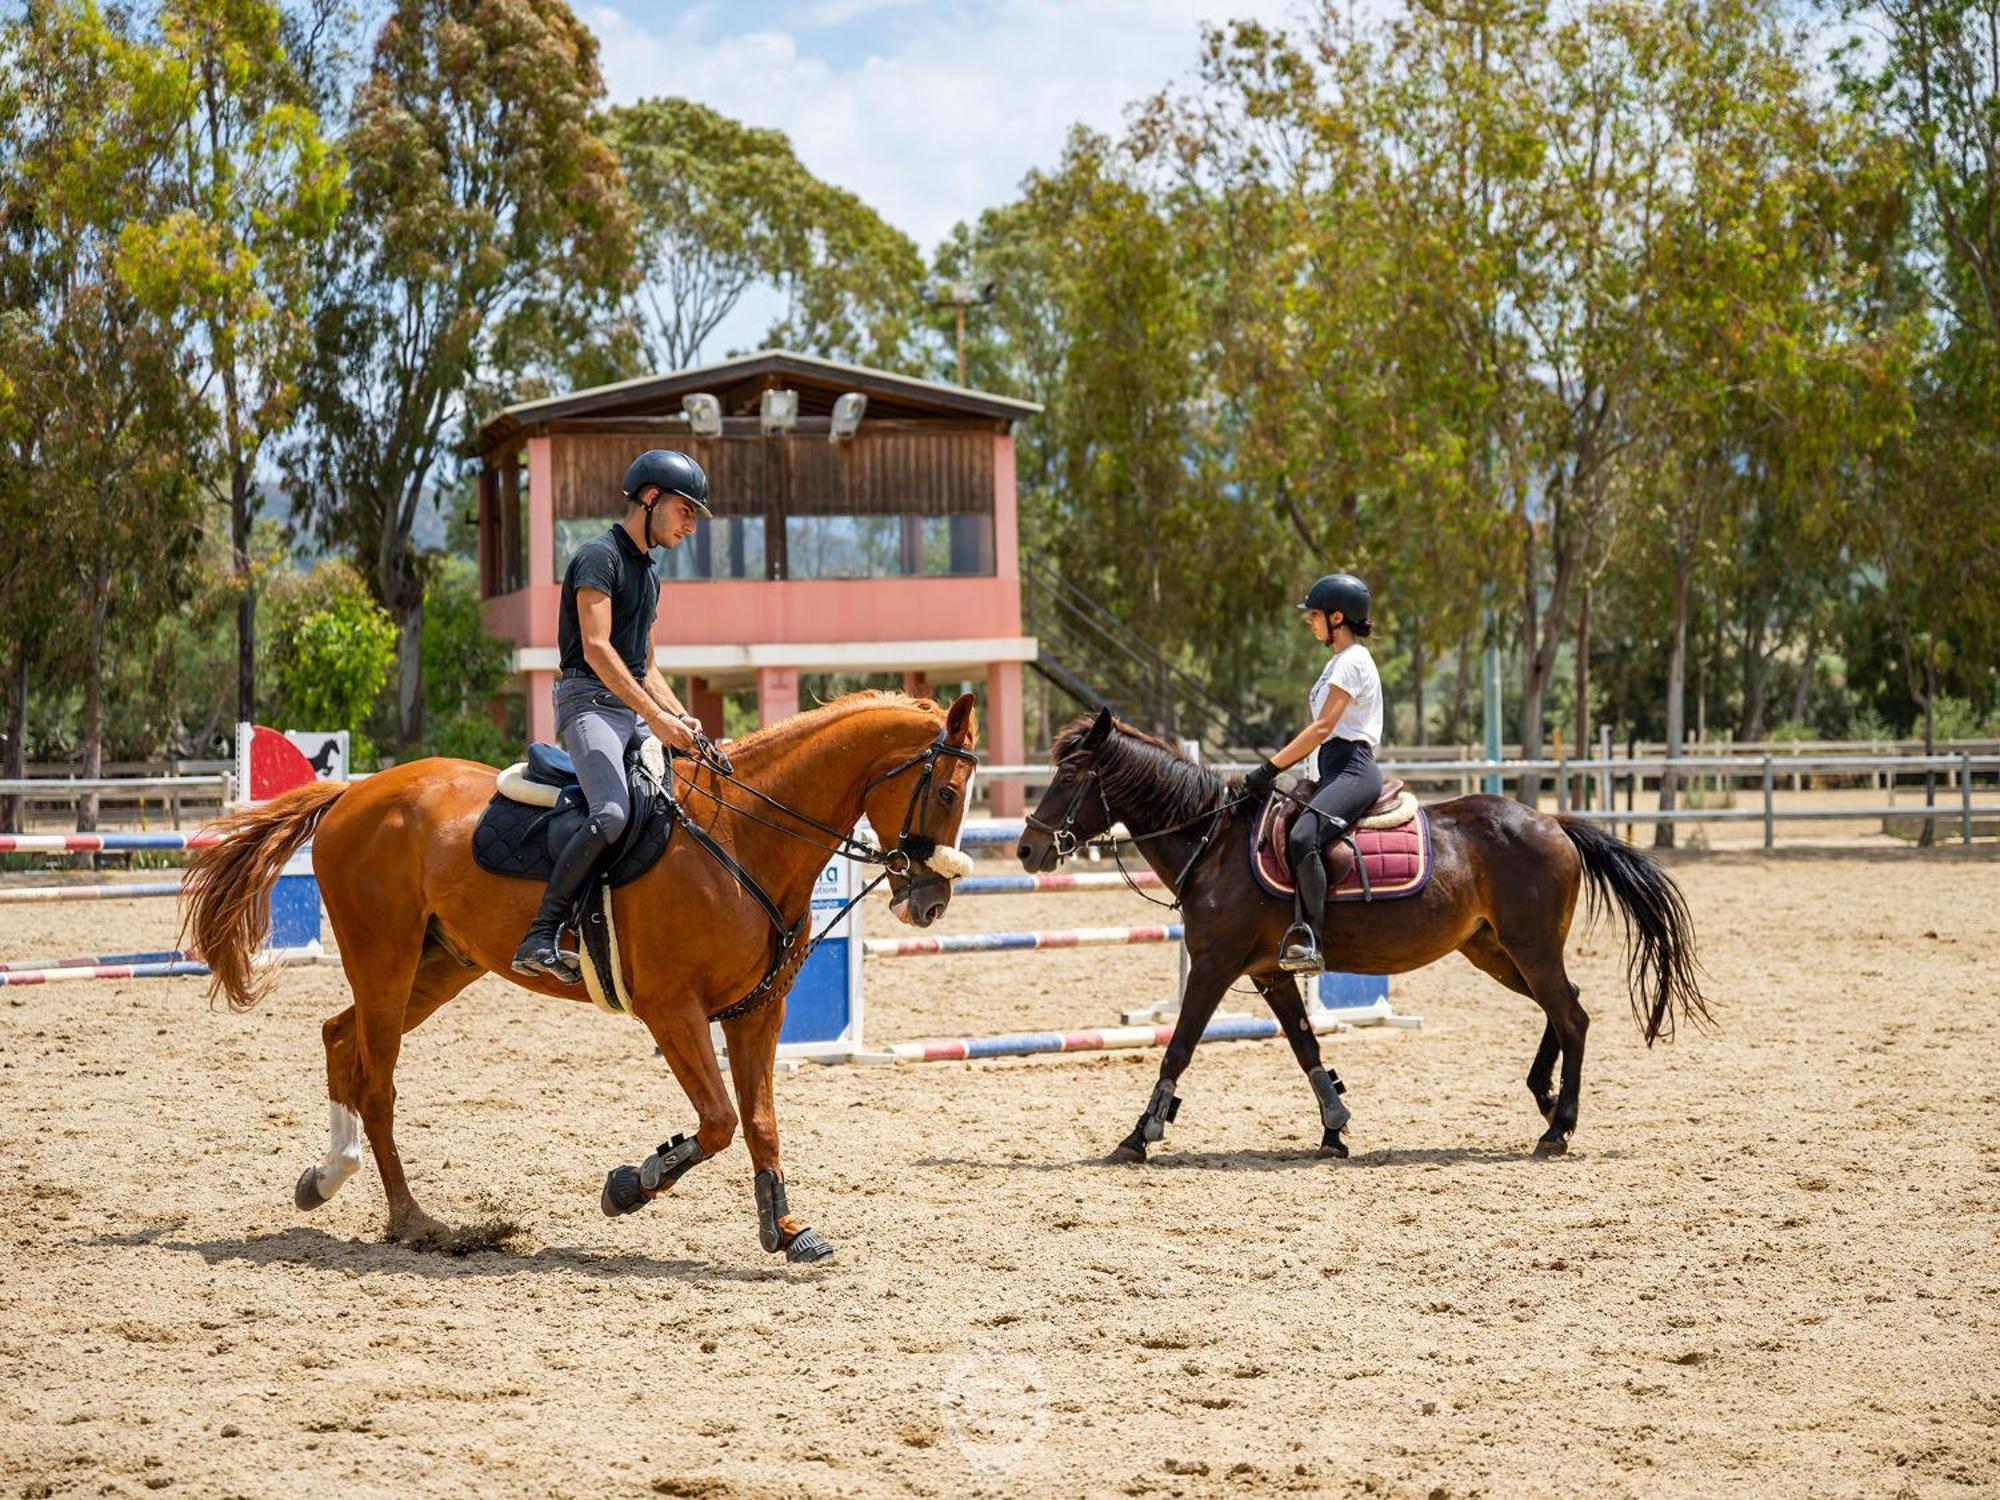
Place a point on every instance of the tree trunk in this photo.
(1663, 833)
(409, 672)
(93, 705)
(1582, 694)
(246, 602)
(12, 808)
(1461, 689)
(1756, 673)
(1422, 733)
(1929, 835)
(1802, 689)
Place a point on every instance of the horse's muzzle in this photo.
(1036, 852)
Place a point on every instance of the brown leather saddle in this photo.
(1392, 840)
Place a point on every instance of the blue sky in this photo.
(929, 110)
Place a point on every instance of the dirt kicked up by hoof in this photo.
(464, 1239)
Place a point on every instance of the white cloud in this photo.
(929, 112)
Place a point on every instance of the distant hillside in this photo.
(428, 535)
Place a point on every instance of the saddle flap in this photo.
(1395, 849)
(550, 765)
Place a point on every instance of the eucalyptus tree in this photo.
(481, 195)
(252, 190)
(724, 207)
(96, 411)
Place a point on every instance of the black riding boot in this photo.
(539, 952)
(1300, 953)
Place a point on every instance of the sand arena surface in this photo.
(1768, 1265)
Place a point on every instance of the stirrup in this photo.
(1300, 958)
(550, 959)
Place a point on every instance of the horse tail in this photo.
(225, 895)
(1662, 970)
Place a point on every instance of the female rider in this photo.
(1346, 706)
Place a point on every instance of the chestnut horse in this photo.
(1503, 886)
(417, 921)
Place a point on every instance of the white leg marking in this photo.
(343, 1152)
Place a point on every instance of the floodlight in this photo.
(778, 411)
(847, 412)
(704, 414)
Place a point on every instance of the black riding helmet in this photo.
(672, 471)
(1343, 592)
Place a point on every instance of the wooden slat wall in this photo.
(887, 471)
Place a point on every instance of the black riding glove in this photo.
(1262, 778)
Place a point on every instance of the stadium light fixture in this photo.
(847, 412)
(704, 414)
(778, 411)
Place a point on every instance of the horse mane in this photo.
(1137, 767)
(786, 732)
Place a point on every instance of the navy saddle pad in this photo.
(514, 838)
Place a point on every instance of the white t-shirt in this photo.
(1354, 670)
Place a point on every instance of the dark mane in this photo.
(1140, 768)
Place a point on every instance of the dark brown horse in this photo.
(1503, 887)
(418, 921)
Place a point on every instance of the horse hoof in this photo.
(808, 1246)
(1546, 1103)
(622, 1193)
(307, 1194)
(1332, 1145)
(1126, 1156)
(1552, 1145)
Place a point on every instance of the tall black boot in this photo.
(1301, 951)
(539, 952)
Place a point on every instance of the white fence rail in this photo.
(1957, 773)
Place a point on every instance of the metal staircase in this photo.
(1091, 656)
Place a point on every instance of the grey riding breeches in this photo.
(597, 729)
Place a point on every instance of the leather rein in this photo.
(1063, 834)
(912, 848)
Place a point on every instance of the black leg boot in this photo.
(1300, 953)
(539, 952)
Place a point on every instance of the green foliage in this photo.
(723, 207)
(464, 667)
(331, 647)
(485, 212)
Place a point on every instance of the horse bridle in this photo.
(1063, 834)
(914, 848)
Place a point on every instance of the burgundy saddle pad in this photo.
(1397, 860)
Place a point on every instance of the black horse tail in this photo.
(1664, 974)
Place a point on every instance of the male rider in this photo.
(611, 694)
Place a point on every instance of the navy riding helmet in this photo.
(671, 471)
(1343, 592)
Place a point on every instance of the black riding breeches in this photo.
(1349, 783)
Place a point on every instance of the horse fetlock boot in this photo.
(1161, 1110)
(629, 1189)
(1333, 1111)
(773, 1207)
(665, 1166)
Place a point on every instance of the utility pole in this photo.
(960, 295)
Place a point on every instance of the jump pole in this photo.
(171, 969)
(1104, 1039)
(101, 843)
(132, 891)
(97, 960)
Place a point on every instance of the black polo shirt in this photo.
(612, 564)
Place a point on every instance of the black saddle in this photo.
(520, 839)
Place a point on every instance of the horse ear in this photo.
(960, 722)
(1100, 731)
